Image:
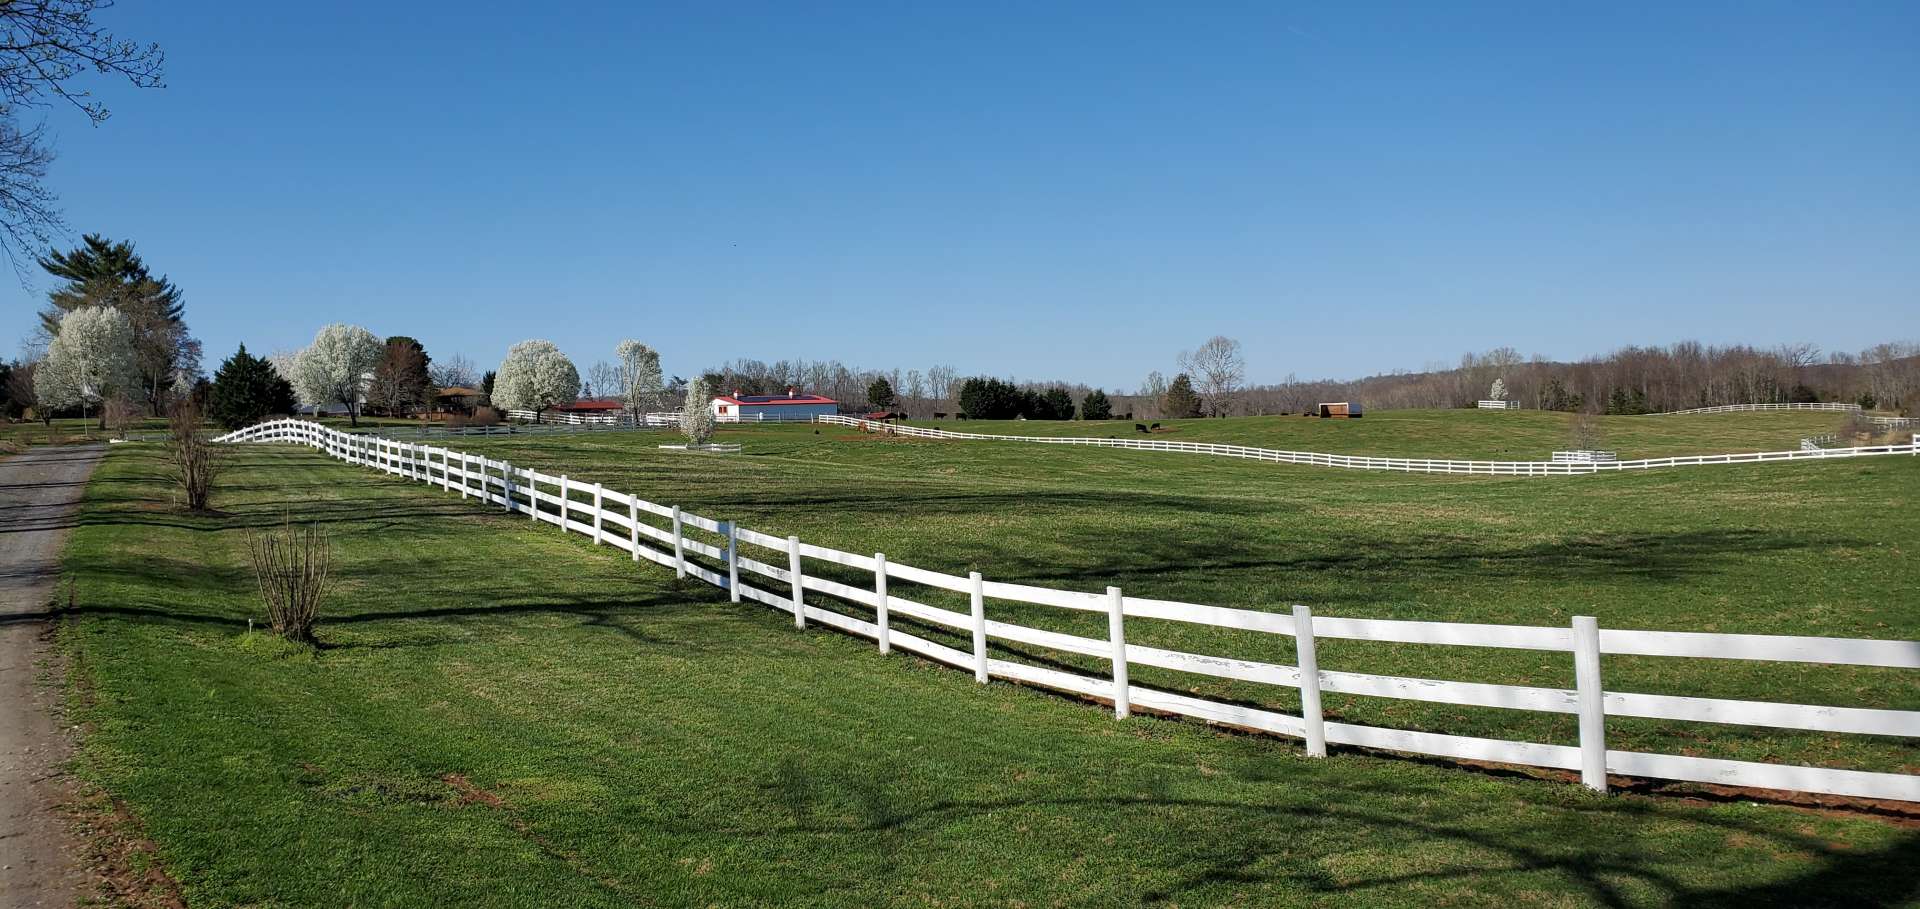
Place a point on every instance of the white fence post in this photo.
(1593, 706)
(679, 548)
(466, 468)
(979, 627)
(1307, 660)
(566, 500)
(506, 485)
(599, 492)
(885, 636)
(533, 495)
(1116, 632)
(733, 562)
(632, 523)
(793, 565)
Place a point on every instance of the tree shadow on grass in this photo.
(1143, 563)
(1230, 844)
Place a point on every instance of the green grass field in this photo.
(1504, 435)
(509, 716)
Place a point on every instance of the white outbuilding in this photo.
(792, 407)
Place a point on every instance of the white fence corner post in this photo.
(1592, 699)
(885, 634)
(979, 627)
(599, 496)
(1307, 660)
(1117, 634)
(733, 562)
(793, 565)
(679, 548)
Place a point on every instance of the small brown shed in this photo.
(1341, 410)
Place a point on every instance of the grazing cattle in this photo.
(939, 414)
(1140, 427)
(1156, 426)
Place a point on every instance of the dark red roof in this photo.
(773, 400)
(590, 404)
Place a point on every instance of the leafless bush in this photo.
(119, 415)
(291, 564)
(195, 461)
(485, 416)
(456, 420)
(1584, 433)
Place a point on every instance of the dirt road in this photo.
(39, 494)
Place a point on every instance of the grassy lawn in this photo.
(510, 716)
(1504, 435)
(1819, 549)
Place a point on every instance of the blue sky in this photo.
(1036, 190)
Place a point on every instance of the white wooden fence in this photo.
(1498, 405)
(633, 524)
(1731, 408)
(1405, 465)
(1584, 456)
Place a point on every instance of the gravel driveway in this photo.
(39, 495)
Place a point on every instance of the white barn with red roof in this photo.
(792, 407)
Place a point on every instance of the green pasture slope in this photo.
(1489, 435)
(509, 716)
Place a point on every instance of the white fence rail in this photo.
(630, 523)
(1732, 408)
(1498, 405)
(1405, 465)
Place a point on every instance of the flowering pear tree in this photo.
(336, 367)
(90, 361)
(535, 376)
(696, 418)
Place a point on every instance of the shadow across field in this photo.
(1271, 844)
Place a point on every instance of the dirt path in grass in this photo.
(40, 863)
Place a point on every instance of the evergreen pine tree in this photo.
(246, 389)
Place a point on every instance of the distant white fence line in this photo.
(615, 519)
(1554, 467)
(1731, 408)
(663, 419)
(655, 419)
(1584, 456)
(1498, 405)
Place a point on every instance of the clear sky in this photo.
(1035, 190)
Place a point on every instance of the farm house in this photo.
(1340, 410)
(790, 407)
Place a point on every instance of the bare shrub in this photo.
(194, 460)
(119, 415)
(485, 416)
(1584, 433)
(291, 564)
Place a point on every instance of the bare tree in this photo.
(452, 371)
(1220, 368)
(45, 46)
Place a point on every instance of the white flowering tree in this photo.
(1499, 390)
(639, 376)
(336, 367)
(90, 361)
(535, 376)
(696, 417)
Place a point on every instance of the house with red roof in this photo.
(792, 407)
